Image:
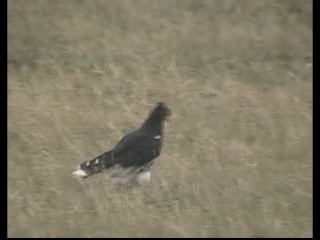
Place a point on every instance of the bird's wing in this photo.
(136, 149)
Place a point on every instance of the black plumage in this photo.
(135, 152)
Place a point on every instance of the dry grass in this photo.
(237, 157)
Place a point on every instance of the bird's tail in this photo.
(94, 166)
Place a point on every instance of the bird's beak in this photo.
(167, 114)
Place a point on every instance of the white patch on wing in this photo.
(97, 161)
(157, 137)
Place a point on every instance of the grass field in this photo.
(237, 156)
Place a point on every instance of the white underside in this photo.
(125, 176)
(143, 178)
(120, 175)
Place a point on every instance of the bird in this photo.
(130, 160)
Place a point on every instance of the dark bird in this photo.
(131, 158)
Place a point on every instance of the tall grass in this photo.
(237, 156)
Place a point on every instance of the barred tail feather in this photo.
(93, 166)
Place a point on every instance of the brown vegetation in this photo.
(237, 75)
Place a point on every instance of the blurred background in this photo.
(237, 155)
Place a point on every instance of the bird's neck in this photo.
(154, 125)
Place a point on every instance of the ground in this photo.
(237, 154)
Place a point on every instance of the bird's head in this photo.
(157, 116)
(163, 110)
